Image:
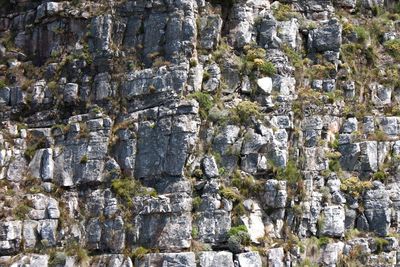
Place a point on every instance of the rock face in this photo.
(199, 133)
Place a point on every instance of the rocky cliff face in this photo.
(187, 133)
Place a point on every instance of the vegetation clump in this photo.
(127, 188)
(238, 236)
(290, 173)
(254, 60)
(393, 48)
(205, 103)
(284, 12)
(139, 253)
(354, 186)
(244, 111)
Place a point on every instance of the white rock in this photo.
(265, 84)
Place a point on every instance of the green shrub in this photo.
(84, 159)
(247, 185)
(244, 111)
(334, 165)
(3, 84)
(380, 175)
(323, 241)
(239, 235)
(354, 186)
(139, 252)
(284, 12)
(33, 144)
(196, 202)
(267, 68)
(57, 259)
(231, 194)
(236, 230)
(79, 252)
(290, 173)
(195, 232)
(380, 244)
(205, 103)
(127, 188)
(21, 211)
(393, 48)
(362, 34)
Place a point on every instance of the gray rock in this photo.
(253, 220)
(275, 257)
(70, 93)
(380, 95)
(249, 259)
(215, 259)
(332, 224)
(16, 169)
(377, 211)
(331, 254)
(213, 225)
(32, 260)
(30, 233)
(328, 37)
(101, 28)
(275, 194)
(164, 222)
(350, 125)
(102, 88)
(111, 260)
(183, 259)
(210, 167)
(10, 237)
(210, 30)
(211, 84)
(5, 96)
(268, 33)
(287, 32)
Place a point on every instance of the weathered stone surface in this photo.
(253, 221)
(377, 210)
(214, 259)
(249, 259)
(184, 259)
(275, 194)
(210, 28)
(326, 38)
(332, 221)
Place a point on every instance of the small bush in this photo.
(244, 111)
(79, 252)
(231, 194)
(354, 186)
(84, 159)
(393, 48)
(139, 252)
(362, 34)
(380, 175)
(205, 103)
(323, 241)
(267, 68)
(290, 173)
(284, 12)
(34, 143)
(334, 165)
(380, 244)
(3, 84)
(196, 202)
(238, 237)
(127, 188)
(236, 230)
(195, 232)
(21, 211)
